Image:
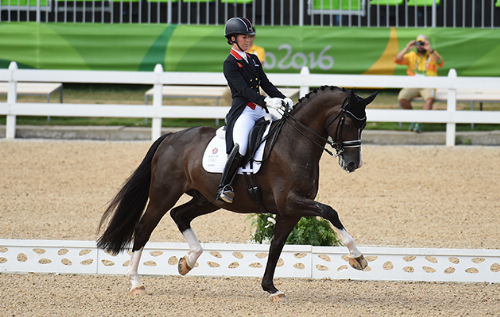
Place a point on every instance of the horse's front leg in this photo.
(356, 258)
(183, 215)
(282, 229)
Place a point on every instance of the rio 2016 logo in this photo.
(299, 59)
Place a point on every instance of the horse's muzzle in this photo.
(350, 165)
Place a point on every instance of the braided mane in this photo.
(315, 91)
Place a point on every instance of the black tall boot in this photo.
(225, 192)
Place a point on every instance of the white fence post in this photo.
(157, 103)
(304, 88)
(10, 132)
(451, 108)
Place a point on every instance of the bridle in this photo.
(340, 145)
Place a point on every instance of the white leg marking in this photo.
(277, 293)
(132, 274)
(194, 247)
(348, 241)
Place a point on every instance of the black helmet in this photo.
(235, 26)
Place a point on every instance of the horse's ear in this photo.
(370, 98)
(352, 98)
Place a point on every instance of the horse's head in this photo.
(345, 129)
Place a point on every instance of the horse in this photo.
(288, 178)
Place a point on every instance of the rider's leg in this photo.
(225, 192)
(241, 130)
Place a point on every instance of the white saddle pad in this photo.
(215, 157)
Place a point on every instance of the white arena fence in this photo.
(304, 80)
(219, 259)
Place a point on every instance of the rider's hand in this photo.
(288, 102)
(275, 103)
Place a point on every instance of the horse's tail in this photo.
(128, 205)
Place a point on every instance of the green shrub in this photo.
(308, 231)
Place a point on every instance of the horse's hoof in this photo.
(183, 266)
(141, 290)
(358, 263)
(279, 297)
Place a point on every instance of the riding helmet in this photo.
(235, 26)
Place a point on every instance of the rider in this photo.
(244, 75)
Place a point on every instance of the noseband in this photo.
(340, 144)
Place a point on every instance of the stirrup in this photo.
(226, 194)
(225, 191)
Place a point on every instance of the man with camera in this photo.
(422, 62)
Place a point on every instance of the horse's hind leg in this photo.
(155, 210)
(183, 215)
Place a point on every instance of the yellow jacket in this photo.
(421, 65)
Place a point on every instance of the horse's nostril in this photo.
(352, 165)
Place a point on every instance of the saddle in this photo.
(255, 140)
(214, 158)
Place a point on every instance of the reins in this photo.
(287, 116)
(299, 126)
(338, 146)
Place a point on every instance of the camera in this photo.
(419, 43)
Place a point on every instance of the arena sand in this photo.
(405, 196)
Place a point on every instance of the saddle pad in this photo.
(215, 157)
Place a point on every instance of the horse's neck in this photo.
(312, 113)
(300, 141)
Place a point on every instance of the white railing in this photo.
(304, 80)
(222, 259)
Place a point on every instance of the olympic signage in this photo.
(192, 48)
(298, 59)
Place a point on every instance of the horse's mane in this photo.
(315, 91)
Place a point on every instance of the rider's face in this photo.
(243, 41)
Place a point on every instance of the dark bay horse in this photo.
(289, 180)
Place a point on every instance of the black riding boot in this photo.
(225, 192)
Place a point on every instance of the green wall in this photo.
(472, 52)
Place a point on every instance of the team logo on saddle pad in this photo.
(215, 151)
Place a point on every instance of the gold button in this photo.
(250, 79)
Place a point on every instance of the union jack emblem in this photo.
(215, 151)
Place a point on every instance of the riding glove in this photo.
(288, 102)
(275, 103)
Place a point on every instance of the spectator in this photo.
(422, 62)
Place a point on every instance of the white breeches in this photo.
(244, 124)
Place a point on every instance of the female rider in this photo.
(244, 75)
